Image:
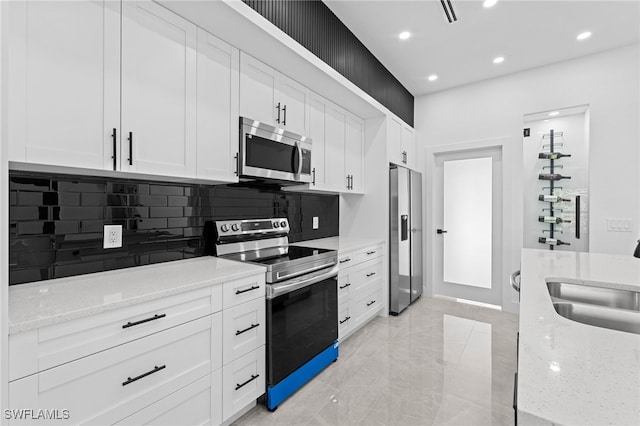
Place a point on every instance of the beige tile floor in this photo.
(438, 363)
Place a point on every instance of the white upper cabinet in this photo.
(271, 97)
(317, 131)
(354, 141)
(63, 85)
(401, 143)
(334, 173)
(158, 91)
(217, 106)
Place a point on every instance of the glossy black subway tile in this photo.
(166, 190)
(78, 186)
(166, 212)
(148, 200)
(29, 183)
(126, 212)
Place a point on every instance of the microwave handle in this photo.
(297, 155)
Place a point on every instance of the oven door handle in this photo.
(275, 290)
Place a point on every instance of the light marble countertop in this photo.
(571, 373)
(43, 303)
(341, 244)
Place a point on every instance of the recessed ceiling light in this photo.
(404, 35)
(489, 3)
(498, 60)
(552, 113)
(583, 36)
(432, 77)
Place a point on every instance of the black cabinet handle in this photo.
(239, 332)
(278, 108)
(370, 274)
(371, 252)
(153, 318)
(440, 231)
(237, 160)
(238, 386)
(131, 148)
(114, 138)
(348, 259)
(345, 286)
(371, 303)
(344, 320)
(284, 112)
(578, 217)
(143, 375)
(404, 157)
(253, 287)
(314, 176)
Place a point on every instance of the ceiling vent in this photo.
(449, 13)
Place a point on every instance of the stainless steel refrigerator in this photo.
(405, 238)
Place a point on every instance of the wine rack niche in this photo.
(552, 215)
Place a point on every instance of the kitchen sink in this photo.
(602, 296)
(599, 316)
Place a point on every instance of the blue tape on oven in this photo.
(294, 381)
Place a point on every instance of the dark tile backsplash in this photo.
(56, 222)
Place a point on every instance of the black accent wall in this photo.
(56, 222)
(312, 24)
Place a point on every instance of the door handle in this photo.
(284, 112)
(278, 108)
(131, 148)
(440, 231)
(114, 138)
(314, 176)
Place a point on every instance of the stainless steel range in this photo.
(302, 300)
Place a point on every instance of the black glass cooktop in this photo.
(277, 255)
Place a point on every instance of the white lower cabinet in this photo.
(361, 281)
(180, 360)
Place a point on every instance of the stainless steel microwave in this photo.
(272, 154)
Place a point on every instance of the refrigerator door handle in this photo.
(404, 227)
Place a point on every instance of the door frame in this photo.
(504, 143)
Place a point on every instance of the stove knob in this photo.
(235, 227)
(224, 228)
(276, 224)
(283, 224)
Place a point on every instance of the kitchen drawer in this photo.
(368, 253)
(366, 273)
(243, 381)
(344, 287)
(47, 347)
(367, 304)
(243, 290)
(244, 329)
(199, 403)
(345, 259)
(344, 319)
(110, 385)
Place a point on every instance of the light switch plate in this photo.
(316, 223)
(112, 236)
(619, 225)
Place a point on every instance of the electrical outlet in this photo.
(316, 224)
(619, 225)
(112, 236)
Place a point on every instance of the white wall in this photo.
(4, 229)
(608, 82)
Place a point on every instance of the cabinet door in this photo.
(335, 176)
(258, 90)
(158, 91)
(294, 101)
(354, 152)
(394, 140)
(317, 110)
(409, 146)
(63, 82)
(217, 104)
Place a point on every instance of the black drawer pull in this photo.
(238, 386)
(371, 303)
(371, 252)
(114, 140)
(370, 274)
(239, 332)
(153, 318)
(253, 287)
(345, 286)
(348, 259)
(344, 320)
(148, 373)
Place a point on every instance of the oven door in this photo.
(271, 153)
(302, 321)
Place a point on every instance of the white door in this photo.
(294, 101)
(335, 176)
(354, 139)
(467, 245)
(217, 104)
(317, 108)
(258, 91)
(158, 90)
(63, 88)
